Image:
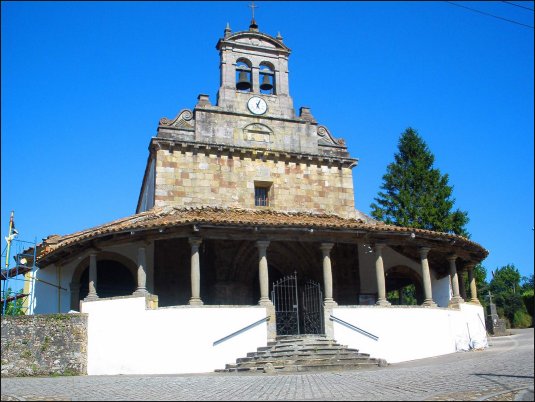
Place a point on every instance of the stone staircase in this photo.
(303, 353)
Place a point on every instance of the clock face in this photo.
(257, 105)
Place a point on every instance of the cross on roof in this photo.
(253, 7)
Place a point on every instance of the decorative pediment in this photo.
(257, 132)
(254, 39)
(182, 120)
(325, 138)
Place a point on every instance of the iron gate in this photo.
(298, 309)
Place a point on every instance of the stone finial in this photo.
(203, 100)
(279, 37)
(304, 113)
(254, 26)
(227, 31)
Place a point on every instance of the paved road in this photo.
(504, 371)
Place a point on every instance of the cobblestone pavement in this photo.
(504, 371)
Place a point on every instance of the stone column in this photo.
(195, 300)
(380, 275)
(327, 272)
(263, 274)
(141, 273)
(426, 276)
(472, 281)
(462, 287)
(456, 299)
(92, 294)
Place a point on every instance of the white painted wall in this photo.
(409, 333)
(48, 297)
(441, 289)
(125, 338)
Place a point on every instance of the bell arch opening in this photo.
(267, 78)
(243, 75)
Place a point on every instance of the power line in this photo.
(518, 5)
(490, 15)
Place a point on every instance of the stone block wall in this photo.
(47, 344)
(185, 178)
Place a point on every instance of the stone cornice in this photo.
(254, 153)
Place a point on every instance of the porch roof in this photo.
(55, 247)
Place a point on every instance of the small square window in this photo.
(261, 196)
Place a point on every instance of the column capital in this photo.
(379, 246)
(263, 244)
(195, 241)
(423, 251)
(469, 266)
(326, 247)
(452, 257)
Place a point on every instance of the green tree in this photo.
(415, 194)
(528, 295)
(14, 307)
(527, 285)
(507, 294)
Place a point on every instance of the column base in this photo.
(140, 292)
(265, 302)
(329, 303)
(91, 297)
(195, 302)
(429, 303)
(475, 301)
(455, 301)
(383, 303)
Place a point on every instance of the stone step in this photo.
(304, 362)
(302, 353)
(305, 367)
(311, 353)
(272, 357)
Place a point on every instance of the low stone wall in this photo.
(47, 344)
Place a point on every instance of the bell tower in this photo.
(254, 64)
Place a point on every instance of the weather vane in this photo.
(253, 7)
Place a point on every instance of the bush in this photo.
(521, 319)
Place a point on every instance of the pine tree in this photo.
(416, 194)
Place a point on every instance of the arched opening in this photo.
(267, 79)
(243, 75)
(403, 286)
(113, 279)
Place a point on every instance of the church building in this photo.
(245, 231)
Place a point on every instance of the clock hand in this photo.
(258, 104)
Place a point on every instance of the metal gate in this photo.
(298, 309)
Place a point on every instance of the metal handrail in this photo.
(356, 329)
(248, 327)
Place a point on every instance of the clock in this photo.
(257, 105)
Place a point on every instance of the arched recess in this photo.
(116, 276)
(244, 75)
(267, 78)
(404, 286)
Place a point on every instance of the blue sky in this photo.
(84, 85)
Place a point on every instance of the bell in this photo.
(243, 83)
(266, 84)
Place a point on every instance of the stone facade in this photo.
(188, 178)
(54, 344)
(215, 155)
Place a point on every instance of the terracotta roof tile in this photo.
(174, 216)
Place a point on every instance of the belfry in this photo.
(246, 232)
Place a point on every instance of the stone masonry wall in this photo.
(47, 344)
(184, 178)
